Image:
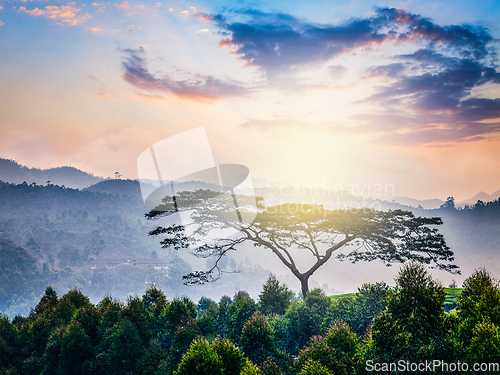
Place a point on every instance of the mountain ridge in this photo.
(13, 172)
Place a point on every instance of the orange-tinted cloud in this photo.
(203, 17)
(224, 43)
(151, 98)
(65, 13)
(103, 94)
(123, 5)
(101, 7)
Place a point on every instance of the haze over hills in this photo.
(116, 187)
(482, 196)
(11, 171)
(428, 204)
(72, 217)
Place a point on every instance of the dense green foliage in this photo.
(153, 335)
(478, 319)
(275, 297)
(414, 306)
(358, 310)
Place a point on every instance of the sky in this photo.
(400, 93)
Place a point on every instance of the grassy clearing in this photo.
(450, 302)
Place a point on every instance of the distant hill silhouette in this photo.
(107, 220)
(13, 172)
(116, 187)
(428, 204)
(133, 187)
(482, 196)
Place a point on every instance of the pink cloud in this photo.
(203, 17)
(65, 13)
(123, 5)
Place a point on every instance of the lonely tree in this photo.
(216, 227)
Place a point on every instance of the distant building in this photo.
(146, 262)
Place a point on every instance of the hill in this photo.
(11, 171)
(482, 196)
(107, 220)
(116, 187)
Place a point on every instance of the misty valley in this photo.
(84, 288)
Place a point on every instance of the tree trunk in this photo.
(304, 283)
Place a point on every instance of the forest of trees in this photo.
(277, 334)
(49, 235)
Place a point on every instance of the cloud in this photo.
(202, 17)
(65, 13)
(101, 6)
(468, 40)
(399, 127)
(199, 87)
(442, 85)
(425, 96)
(276, 42)
(1, 23)
(103, 94)
(202, 31)
(266, 125)
(287, 124)
(440, 136)
(123, 5)
(150, 98)
(104, 91)
(391, 70)
(479, 109)
(133, 28)
(337, 71)
(442, 95)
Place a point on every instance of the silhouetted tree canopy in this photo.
(354, 235)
